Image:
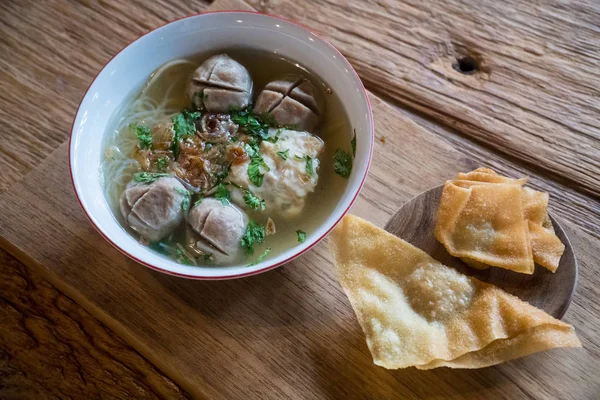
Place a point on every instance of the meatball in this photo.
(219, 84)
(154, 209)
(292, 101)
(220, 229)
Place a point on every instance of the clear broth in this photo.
(334, 129)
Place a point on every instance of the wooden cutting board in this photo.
(289, 333)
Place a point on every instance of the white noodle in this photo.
(119, 165)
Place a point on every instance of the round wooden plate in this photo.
(552, 292)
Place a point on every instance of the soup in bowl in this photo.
(221, 145)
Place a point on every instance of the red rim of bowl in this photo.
(270, 267)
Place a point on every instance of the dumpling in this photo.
(485, 223)
(292, 101)
(288, 180)
(219, 84)
(417, 312)
(488, 219)
(154, 209)
(220, 229)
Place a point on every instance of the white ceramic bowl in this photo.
(130, 68)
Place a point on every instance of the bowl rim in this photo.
(269, 267)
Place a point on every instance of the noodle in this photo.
(119, 165)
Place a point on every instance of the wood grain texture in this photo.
(535, 98)
(49, 53)
(552, 292)
(50, 348)
(289, 333)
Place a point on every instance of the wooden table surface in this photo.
(529, 108)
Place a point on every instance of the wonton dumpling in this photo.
(292, 101)
(219, 84)
(286, 183)
(417, 312)
(458, 221)
(485, 223)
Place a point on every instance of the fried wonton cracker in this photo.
(485, 223)
(417, 312)
(480, 208)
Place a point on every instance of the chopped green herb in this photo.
(284, 154)
(353, 144)
(253, 202)
(253, 124)
(309, 166)
(255, 234)
(252, 148)
(143, 134)
(261, 257)
(161, 163)
(342, 163)
(301, 236)
(185, 203)
(183, 192)
(254, 174)
(197, 202)
(183, 125)
(223, 194)
(147, 177)
(208, 257)
(310, 171)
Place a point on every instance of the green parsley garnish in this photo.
(197, 202)
(185, 203)
(183, 125)
(261, 257)
(254, 174)
(143, 134)
(301, 236)
(353, 144)
(309, 166)
(252, 123)
(256, 162)
(255, 234)
(342, 163)
(284, 154)
(223, 194)
(183, 192)
(253, 202)
(147, 177)
(161, 163)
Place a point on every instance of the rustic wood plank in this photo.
(290, 332)
(536, 97)
(51, 348)
(302, 293)
(51, 50)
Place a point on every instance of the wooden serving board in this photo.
(289, 333)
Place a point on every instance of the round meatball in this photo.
(220, 229)
(292, 101)
(154, 209)
(219, 84)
